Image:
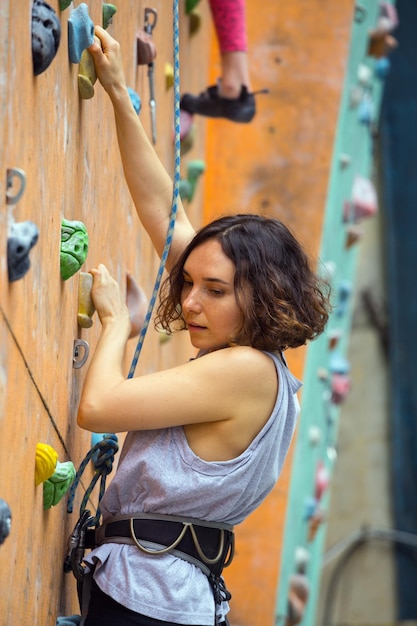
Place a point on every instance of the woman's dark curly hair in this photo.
(283, 302)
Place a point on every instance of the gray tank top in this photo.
(159, 473)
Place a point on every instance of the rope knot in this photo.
(103, 455)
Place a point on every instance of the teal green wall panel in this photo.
(352, 156)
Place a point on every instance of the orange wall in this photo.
(278, 165)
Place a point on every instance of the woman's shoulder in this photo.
(244, 363)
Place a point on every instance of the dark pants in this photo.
(104, 611)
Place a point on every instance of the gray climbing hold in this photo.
(46, 35)
(22, 237)
(80, 32)
(5, 520)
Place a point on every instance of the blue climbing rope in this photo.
(102, 453)
(102, 456)
(174, 208)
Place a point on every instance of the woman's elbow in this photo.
(87, 416)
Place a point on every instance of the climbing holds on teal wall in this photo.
(45, 462)
(354, 233)
(366, 110)
(338, 363)
(344, 293)
(57, 485)
(21, 239)
(109, 11)
(46, 35)
(74, 247)
(298, 593)
(80, 32)
(86, 307)
(5, 520)
(364, 202)
(188, 186)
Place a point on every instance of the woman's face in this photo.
(208, 298)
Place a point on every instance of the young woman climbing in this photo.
(231, 98)
(207, 439)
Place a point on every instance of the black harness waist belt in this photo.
(200, 542)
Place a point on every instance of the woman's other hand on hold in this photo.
(108, 300)
(108, 62)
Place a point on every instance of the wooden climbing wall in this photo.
(67, 148)
(279, 165)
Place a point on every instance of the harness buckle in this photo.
(76, 546)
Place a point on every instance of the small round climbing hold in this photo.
(46, 35)
(45, 462)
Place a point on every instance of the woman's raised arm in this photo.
(149, 183)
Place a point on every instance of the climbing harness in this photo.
(207, 545)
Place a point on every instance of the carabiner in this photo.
(150, 25)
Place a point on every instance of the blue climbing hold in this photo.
(80, 32)
(135, 100)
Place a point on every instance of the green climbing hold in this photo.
(74, 247)
(190, 5)
(187, 186)
(108, 11)
(58, 484)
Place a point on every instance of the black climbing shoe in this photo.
(210, 104)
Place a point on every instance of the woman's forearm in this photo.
(149, 184)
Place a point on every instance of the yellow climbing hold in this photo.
(45, 462)
(169, 76)
(85, 302)
(86, 74)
